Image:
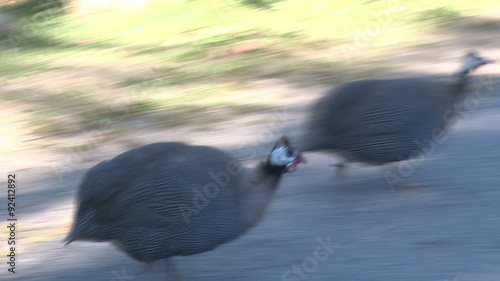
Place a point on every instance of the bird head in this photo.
(285, 157)
(472, 61)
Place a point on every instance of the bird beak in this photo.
(294, 165)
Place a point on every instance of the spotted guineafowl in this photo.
(172, 199)
(383, 121)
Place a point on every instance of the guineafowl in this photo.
(173, 199)
(383, 121)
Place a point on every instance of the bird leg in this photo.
(164, 269)
(339, 174)
(171, 271)
(340, 170)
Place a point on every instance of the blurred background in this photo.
(84, 80)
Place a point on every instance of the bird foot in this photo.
(339, 175)
(407, 186)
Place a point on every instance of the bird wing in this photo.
(380, 119)
(173, 187)
(335, 110)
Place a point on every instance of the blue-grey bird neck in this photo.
(257, 191)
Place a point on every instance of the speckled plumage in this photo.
(168, 199)
(381, 121)
(364, 121)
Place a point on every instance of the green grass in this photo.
(184, 62)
